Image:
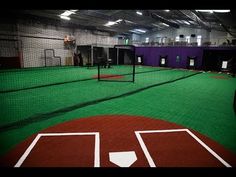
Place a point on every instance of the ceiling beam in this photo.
(193, 16)
(163, 20)
(222, 24)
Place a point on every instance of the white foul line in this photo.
(96, 151)
(148, 156)
(144, 148)
(208, 149)
(23, 157)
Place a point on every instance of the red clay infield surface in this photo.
(166, 146)
(109, 76)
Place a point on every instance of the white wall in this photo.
(219, 37)
(171, 33)
(86, 37)
(33, 48)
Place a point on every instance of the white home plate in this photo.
(123, 159)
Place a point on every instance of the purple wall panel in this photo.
(152, 55)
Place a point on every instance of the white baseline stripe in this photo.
(96, 151)
(144, 148)
(208, 149)
(23, 157)
(68, 134)
(161, 131)
(148, 156)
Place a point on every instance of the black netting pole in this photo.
(98, 71)
(134, 65)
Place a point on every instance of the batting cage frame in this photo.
(119, 59)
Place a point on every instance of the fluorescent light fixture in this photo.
(167, 10)
(211, 11)
(186, 22)
(73, 10)
(139, 13)
(179, 21)
(191, 22)
(155, 25)
(139, 30)
(165, 24)
(133, 31)
(110, 23)
(67, 13)
(64, 17)
(221, 11)
(117, 21)
(129, 22)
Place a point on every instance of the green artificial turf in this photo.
(199, 102)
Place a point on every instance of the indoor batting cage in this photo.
(119, 66)
(90, 55)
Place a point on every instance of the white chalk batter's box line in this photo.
(97, 145)
(148, 156)
(96, 149)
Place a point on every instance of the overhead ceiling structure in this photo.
(136, 21)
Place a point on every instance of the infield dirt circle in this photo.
(118, 141)
(109, 76)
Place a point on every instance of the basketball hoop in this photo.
(69, 41)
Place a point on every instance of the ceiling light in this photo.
(179, 21)
(110, 23)
(139, 13)
(127, 21)
(211, 11)
(67, 13)
(167, 10)
(155, 25)
(165, 24)
(64, 17)
(136, 32)
(139, 30)
(186, 22)
(221, 11)
(117, 21)
(73, 10)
